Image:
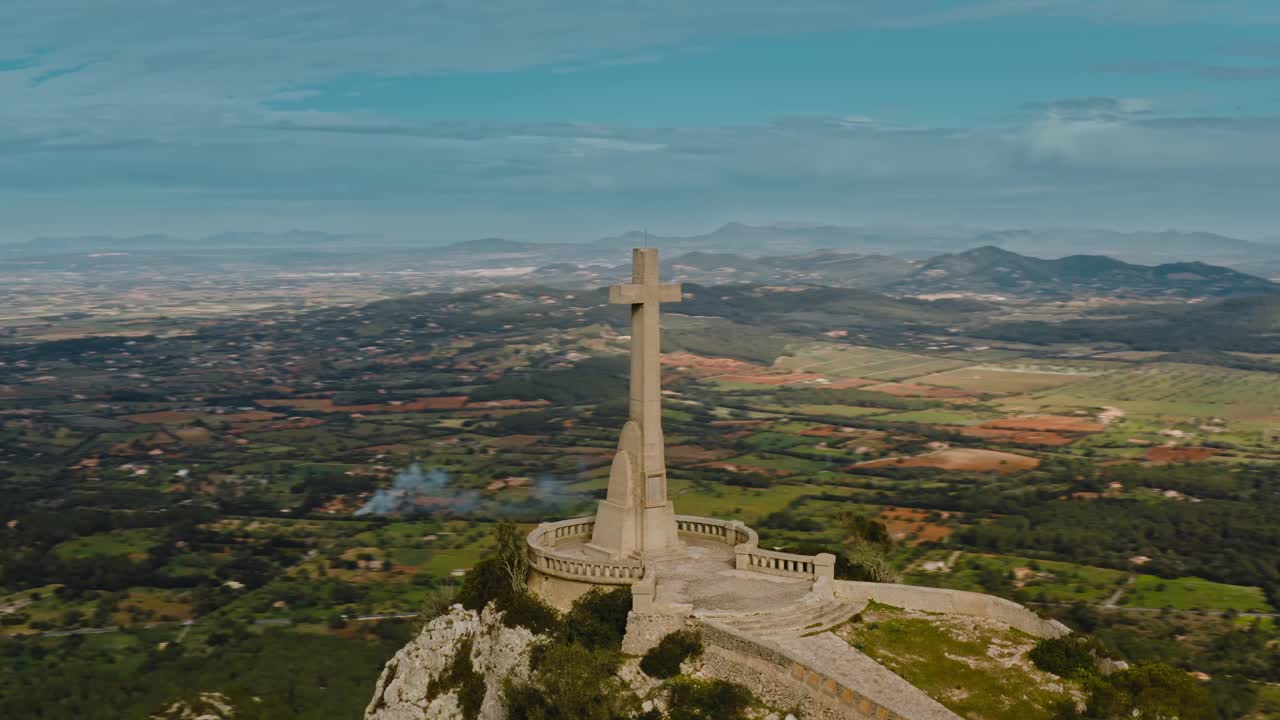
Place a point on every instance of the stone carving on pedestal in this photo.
(636, 519)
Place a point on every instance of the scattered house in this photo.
(935, 566)
(1139, 560)
(1201, 676)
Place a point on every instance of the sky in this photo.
(441, 120)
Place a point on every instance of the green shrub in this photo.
(486, 582)
(571, 682)
(598, 619)
(665, 658)
(1147, 691)
(529, 611)
(708, 700)
(1066, 657)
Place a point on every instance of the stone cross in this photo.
(636, 519)
(644, 294)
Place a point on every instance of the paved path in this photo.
(1115, 597)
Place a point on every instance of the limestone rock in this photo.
(405, 689)
(206, 706)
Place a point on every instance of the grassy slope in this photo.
(979, 671)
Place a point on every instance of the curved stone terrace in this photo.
(721, 571)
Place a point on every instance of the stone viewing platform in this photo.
(721, 568)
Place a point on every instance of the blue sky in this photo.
(566, 119)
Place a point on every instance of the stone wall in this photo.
(959, 602)
(645, 630)
(559, 592)
(853, 686)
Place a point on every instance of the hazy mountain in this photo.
(993, 270)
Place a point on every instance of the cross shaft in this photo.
(645, 294)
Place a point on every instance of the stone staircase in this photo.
(810, 616)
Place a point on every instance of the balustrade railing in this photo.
(573, 565)
(544, 557)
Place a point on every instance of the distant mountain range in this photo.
(1043, 263)
(984, 271)
(995, 271)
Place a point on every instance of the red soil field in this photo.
(770, 379)
(903, 522)
(1165, 455)
(961, 459)
(702, 366)
(1048, 423)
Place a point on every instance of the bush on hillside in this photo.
(598, 619)
(664, 659)
(708, 700)
(486, 582)
(1066, 657)
(571, 682)
(529, 611)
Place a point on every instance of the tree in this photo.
(512, 554)
(1150, 692)
(572, 682)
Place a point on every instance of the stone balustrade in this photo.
(748, 555)
(769, 562)
(731, 532)
(544, 557)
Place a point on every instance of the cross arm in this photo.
(637, 293)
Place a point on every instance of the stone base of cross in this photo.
(636, 519)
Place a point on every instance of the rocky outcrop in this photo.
(205, 706)
(421, 681)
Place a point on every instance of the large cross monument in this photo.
(636, 520)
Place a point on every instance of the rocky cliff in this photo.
(454, 669)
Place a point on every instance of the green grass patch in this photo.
(117, 542)
(1192, 593)
(1040, 581)
(829, 410)
(785, 463)
(976, 670)
(938, 417)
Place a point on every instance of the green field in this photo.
(782, 463)
(739, 503)
(1046, 581)
(1191, 593)
(1176, 390)
(840, 361)
(119, 542)
(852, 411)
(939, 416)
(999, 381)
